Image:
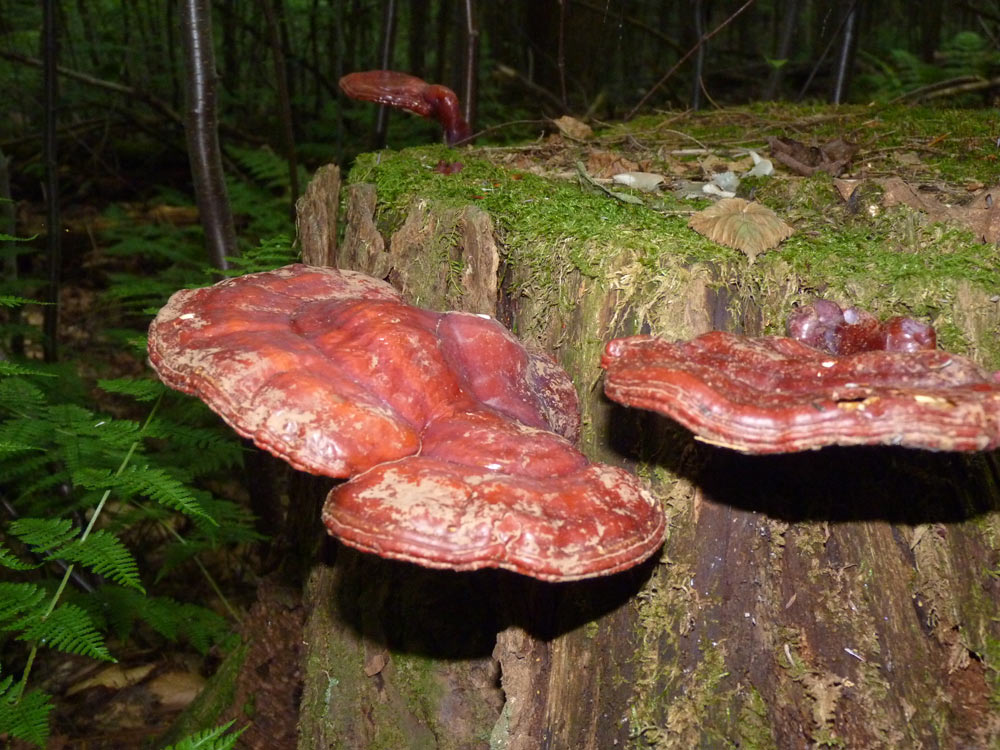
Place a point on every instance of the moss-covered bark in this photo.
(845, 597)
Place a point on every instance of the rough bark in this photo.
(842, 596)
(316, 217)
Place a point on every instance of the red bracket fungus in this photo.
(778, 395)
(824, 325)
(459, 441)
(403, 91)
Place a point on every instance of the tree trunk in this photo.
(843, 597)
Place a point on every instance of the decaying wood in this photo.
(316, 217)
(840, 596)
(363, 248)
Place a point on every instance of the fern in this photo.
(268, 255)
(68, 628)
(11, 300)
(17, 599)
(12, 562)
(119, 609)
(13, 368)
(105, 555)
(24, 716)
(43, 534)
(209, 739)
(140, 390)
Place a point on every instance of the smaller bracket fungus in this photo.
(824, 325)
(778, 395)
(459, 441)
(403, 91)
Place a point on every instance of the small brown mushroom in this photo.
(449, 425)
(777, 395)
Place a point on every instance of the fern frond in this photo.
(209, 739)
(140, 390)
(115, 435)
(44, 534)
(16, 599)
(33, 432)
(20, 396)
(11, 300)
(200, 449)
(24, 716)
(11, 561)
(152, 482)
(8, 447)
(68, 628)
(13, 469)
(119, 608)
(13, 368)
(104, 554)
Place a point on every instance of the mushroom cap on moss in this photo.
(777, 395)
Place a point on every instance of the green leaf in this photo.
(209, 739)
(9, 560)
(44, 534)
(13, 368)
(140, 390)
(16, 599)
(11, 300)
(104, 554)
(68, 628)
(25, 717)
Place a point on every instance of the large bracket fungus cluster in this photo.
(456, 440)
(854, 381)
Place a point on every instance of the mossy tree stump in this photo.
(844, 597)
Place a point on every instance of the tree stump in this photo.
(843, 597)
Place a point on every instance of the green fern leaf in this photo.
(21, 395)
(8, 447)
(25, 717)
(104, 554)
(209, 739)
(16, 599)
(13, 368)
(9, 560)
(118, 608)
(140, 390)
(68, 628)
(44, 534)
(10, 300)
(159, 485)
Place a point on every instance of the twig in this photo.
(686, 55)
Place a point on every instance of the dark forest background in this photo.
(99, 151)
(121, 88)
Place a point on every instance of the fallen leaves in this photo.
(833, 157)
(748, 227)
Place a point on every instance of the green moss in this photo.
(753, 725)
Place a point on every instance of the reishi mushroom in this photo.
(778, 395)
(403, 91)
(823, 324)
(458, 439)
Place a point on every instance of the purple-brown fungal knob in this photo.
(403, 91)
(459, 440)
(778, 395)
(824, 325)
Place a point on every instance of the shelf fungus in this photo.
(457, 443)
(823, 324)
(403, 91)
(778, 395)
